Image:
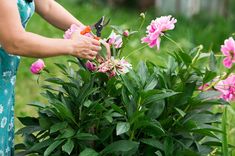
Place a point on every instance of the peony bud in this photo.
(37, 66)
(126, 33)
(90, 66)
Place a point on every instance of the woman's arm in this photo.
(17, 41)
(55, 14)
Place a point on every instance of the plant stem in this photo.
(174, 42)
(214, 83)
(142, 23)
(180, 117)
(224, 135)
(131, 53)
(200, 47)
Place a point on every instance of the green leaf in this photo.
(156, 109)
(45, 123)
(40, 145)
(151, 83)
(37, 104)
(52, 147)
(158, 153)
(67, 133)
(155, 95)
(209, 75)
(224, 136)
(120, 146)
(55, 80)
(117, 109)
(168, 146)
(181, 112)
(152, 127)
(64, 111)
(153, 142)
(122, 127)
(88, 152)
(29, 130)
(86, 136)
(58, 126)
(212, 62)
(29, 121)
(68, 146)
(208, 95)
(142, 72)
(62, 67)
(129, 85)
(185, 58)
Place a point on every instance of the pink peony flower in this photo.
(37, 66)
(68, 34)
(228, 49)
(91, 66)
(126, 33)
(157, 28)
(227, 88)
(115, 40)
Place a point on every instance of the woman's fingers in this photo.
(95, 48)
(95, 42)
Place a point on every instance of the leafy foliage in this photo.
(153, 110)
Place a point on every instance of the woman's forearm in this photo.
(33, 45)
(55, 14)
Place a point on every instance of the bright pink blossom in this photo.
(227, 88)
(91, 66)
(37, 66)
(115, 40)
(126, 33)
(228, 49)
(157, 28)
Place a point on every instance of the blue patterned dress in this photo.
(8, 68)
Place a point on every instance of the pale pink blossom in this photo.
(227, 88)
(91, 66)
(105, 67)
(228, 49)
(123, 66)
(115, 67)
(73, 28)
(37, 66)
(157, 28)
(115, 40)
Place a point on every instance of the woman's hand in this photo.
(85, 47)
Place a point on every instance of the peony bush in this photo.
(108, 107)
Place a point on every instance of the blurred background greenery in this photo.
(210, 30)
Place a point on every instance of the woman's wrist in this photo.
(70, 47)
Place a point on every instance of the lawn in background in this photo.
(210, 32)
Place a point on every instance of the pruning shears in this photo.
(98, 26)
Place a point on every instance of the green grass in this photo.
(210, 32)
